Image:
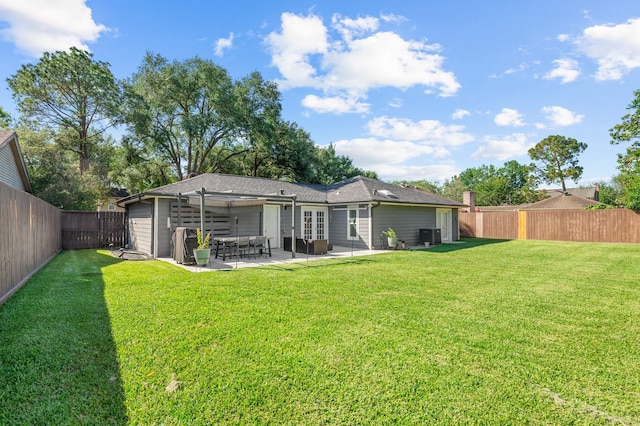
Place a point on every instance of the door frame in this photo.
(445, 233)
(269, 210)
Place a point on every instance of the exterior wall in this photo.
(9, 173)
(140, 218)
(164, 231)
(338, 227)
(249, 221)
(406, 221)
(455, 232)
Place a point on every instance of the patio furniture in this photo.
(314, 247)
(241, 246)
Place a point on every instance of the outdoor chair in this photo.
(243, 246)
(258, 246)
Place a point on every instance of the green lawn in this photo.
(484, 332)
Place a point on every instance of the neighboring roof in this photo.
(354, 190)
(590, 192)
(9, 138)
(565, 202)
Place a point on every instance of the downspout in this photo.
(202, 194)
(371, 237)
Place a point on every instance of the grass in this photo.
(486, 332)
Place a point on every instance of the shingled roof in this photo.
(563, 202)
(358, 189)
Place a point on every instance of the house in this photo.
(350, 213)
(13, 170)
(110, 202)
(573, 198)
(566, 201)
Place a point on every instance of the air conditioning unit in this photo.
(430, 235)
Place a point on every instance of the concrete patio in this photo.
(278, 257)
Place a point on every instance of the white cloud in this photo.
(222, 44)
(560, 116)
(510, 146)
(460, 114)
(395, 103)
(349, 28)
(427, 132)
(509, 117)
(435, 172)
(567, 70)
(300, 37)
(372, 152)
(335, 104)
(357, 59)
(38, 26)
(616, 48)
(563, 37)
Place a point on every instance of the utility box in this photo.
(430, 235)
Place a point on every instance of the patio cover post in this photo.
(179, 209)
(293, 227)
(202, 194)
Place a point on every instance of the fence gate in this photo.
(81, 230)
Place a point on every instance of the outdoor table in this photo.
(230, 242)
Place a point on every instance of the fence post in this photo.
(522, 225)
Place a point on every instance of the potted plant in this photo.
(392, 238)
(202, 253)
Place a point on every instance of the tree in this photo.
(54, 175)
(70, 93)
(331, 168)
(191, 114)
(558, 156)
(511, 184)
(5, 119)
(424, 185)
(629, 162)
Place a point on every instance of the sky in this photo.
(410, 89)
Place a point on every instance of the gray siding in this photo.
(338, 228)
(455, 232)
(9, 173)
(405, 220)
(164, 231)
(249, 221)
(140, 227)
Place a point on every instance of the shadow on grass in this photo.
(58, 357)
(463, 244)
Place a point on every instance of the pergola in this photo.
(230, 199)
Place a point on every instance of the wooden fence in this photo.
(613, 226)
(29, 237)
(85, 230)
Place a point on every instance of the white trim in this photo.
(446, 234)
(155, 232)
(314, 221)
(350, 208)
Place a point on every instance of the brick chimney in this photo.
(469, 198)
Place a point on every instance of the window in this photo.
(352, 223)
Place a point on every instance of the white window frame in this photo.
(350, 209)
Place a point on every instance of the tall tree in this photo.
(629, 162)
(193, 116)
(71, 93)
(558, 158)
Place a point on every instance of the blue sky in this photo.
(411, 89)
